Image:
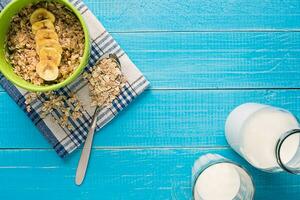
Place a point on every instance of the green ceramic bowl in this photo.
(6, 69)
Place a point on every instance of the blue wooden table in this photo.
(202, 58)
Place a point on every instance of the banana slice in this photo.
(45, 34)
(44, 24)
(41, 14)
(50, 55)
(49, 43)
(47, 71)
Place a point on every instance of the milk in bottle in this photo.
(267, 137)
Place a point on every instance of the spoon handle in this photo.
(86, 151)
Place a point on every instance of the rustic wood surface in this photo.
(202, 58)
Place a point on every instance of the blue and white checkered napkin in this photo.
(62, 139)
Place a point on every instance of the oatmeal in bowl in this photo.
(44, 44)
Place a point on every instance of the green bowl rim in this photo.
(79, 69)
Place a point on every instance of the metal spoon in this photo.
(86, 151)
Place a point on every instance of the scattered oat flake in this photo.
(69, 107)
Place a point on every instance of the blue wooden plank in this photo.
(121, 174)
(156, 119)
(195, 15)
(216, 60)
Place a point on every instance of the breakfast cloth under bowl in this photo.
(66, 140)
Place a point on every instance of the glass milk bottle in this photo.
(267, 137)
(217, 178)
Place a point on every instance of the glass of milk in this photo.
(267, 137)
(215, 177)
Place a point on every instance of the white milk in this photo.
(253, 130)
(219, 181)
(214, 177)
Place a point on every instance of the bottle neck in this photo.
(292, 165)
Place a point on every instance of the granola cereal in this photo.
(69, 106)
(21, 46)
(105, 82)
